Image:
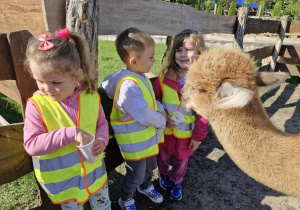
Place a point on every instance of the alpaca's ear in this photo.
(270, 80)
(232, 96)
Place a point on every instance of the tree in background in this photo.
(208, 6)
(247, 3)
(262, 3)
(277, 8)
(292, 9)
(220, 8)
(232, 8)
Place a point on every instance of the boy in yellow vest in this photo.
(135, 115)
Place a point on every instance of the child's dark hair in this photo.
(173, 70)
(67, 56)
(132, 42)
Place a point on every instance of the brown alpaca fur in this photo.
(222, 87)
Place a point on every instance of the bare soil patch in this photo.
(213, 181)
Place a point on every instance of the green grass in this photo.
(109, 61)
(10, 110)
(19, 194)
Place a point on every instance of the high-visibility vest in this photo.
(136, 141)
(172, 103)
(64, 174)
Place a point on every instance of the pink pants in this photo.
(178, 169)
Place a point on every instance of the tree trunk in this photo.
(82, 17)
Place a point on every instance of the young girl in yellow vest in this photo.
(135, 115)
(182, 139)
(65, 113)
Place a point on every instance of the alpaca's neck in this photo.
(260, 149)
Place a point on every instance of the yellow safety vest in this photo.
(172, 103)
(136, 141)
(64, 174)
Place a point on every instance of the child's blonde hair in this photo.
(67, 56)
(132, 42)
(173, 70)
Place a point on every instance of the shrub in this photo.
(232, 8)
(220, 8)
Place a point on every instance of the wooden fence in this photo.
(33, 17)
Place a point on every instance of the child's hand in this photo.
(164, 115)
(83, 137)
(98, 147)
(170, 122)
(194, 145)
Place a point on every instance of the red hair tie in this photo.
(63, 33)
(45, 45)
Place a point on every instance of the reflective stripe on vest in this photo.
(171, 102)
(64, 174)
(136, 141)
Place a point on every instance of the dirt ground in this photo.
(213, 181)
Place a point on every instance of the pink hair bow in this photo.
(45, 45)
(63, 33)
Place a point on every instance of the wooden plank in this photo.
(26, 85)
(292, 69)
(3, 121)
(288, 60)
(293, 27)
(159, 18)
(290, 51)
(6, 66)
(262, 53)
(281, 33)
(14, 160)
(257, 26)
(242, 17)
(54, 13)
(20, 15)
(10, 89)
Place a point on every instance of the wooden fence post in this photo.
(259, 11)
(281, 34)
(242, 17)
(83, 16)
(215, 8)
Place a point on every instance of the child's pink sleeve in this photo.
(102, 127)
(157, 90)
(37, 141)
(200, 130)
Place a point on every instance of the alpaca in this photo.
(222, 87)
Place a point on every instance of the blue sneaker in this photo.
(164, 181)
(151, 193)
(176, 191)
(127, 205)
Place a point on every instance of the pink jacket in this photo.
(37, 141)
(201, 124)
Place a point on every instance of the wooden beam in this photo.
(3, 121)
(257, 26)
(242, 17)
(10, 89)
(293, 70)
(14, 160)
(159, 18)
(18, 43)
(6, 64)
(54, 14)
(284, 20)
(262, 53)
(291, 51)
(22, 15)
(293, 27)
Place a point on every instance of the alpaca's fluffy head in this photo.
(221, 79)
